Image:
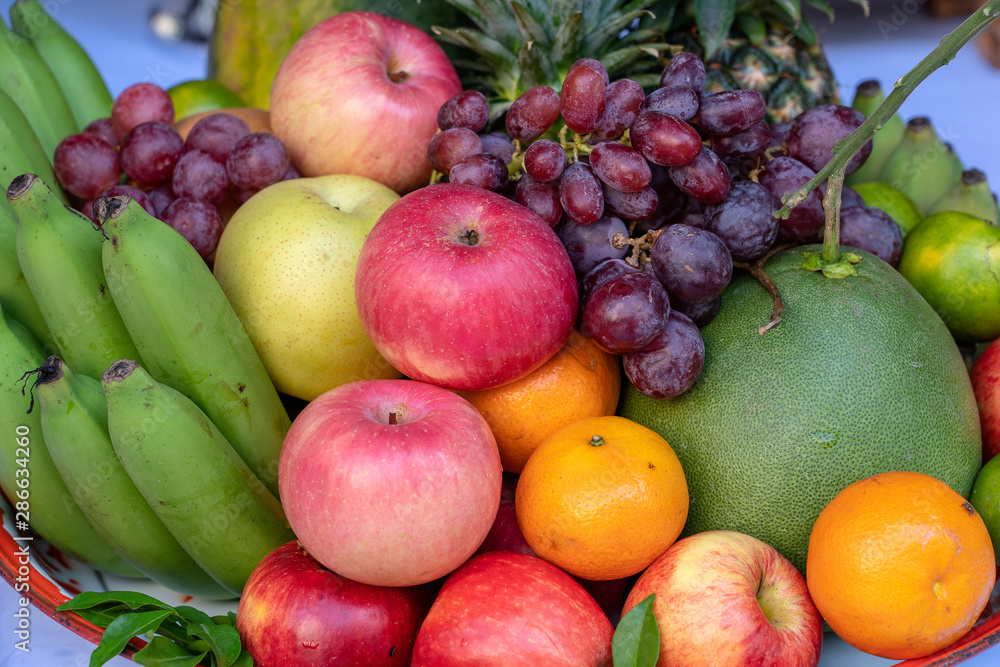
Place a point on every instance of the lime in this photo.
(895, 203)
(951, 258)
(985, 497)
(197, 95)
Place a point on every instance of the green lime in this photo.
(951, 258)
(985, 497)
(895, 203)
(195, 96)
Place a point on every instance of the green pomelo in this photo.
(860, 377)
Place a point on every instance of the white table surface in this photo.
(960, 99)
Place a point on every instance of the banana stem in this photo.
(942, 54)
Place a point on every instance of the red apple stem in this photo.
(596, 441)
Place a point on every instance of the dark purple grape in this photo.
(871, 229)
(132, 192)
(680, 101)
(257, 161)
(532, 113)
(606, 270)
(149, 152)
(197, 220)
(583, 98)
(468, 109)
(217, 133)
(700, 313)
(671, 363)
(595, 64)
(499, 144)
(85, 164)
(589, 245)
(626, 312)
(542, 198)
(685, 69)
(621, 106)
(448, 148)
(664, 139)
(688, 218)
(669, 202)
(745, 220)
(292, 173)
(200, 175)
(779, 132)
(706, 179)
(620, 166)
(580, 194)
(140, 103)
(848, 195)
(102, 127)
(751, 142)
(161, 196)
(483, 170)
(814, 133)
(630, 205)
(730, 111)
(783, 176)
(692, 263)
(545, 160)
(241, 195)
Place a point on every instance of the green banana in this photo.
(921, 166)
(20, 150)
(191, 476)
(28, 475)
(74, 420)
(972, 195)
(188, 334)
(867, 97)
(33, 86)
(60, 253)
(14, 288)
(78, 77)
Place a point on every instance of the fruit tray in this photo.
(53, 578)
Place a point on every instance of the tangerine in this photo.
(900, 565)
(602, 498)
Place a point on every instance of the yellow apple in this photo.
(286, 260)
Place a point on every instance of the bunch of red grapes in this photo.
(138, 152)
(655, 196)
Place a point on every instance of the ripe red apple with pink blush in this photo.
(508, 608)
(464, 288)
(294, 611)
(727, 599)
(985, 376)
(390, 482)
(359, 93)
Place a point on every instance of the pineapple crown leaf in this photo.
(535, 67)
(714, 18)
(613, 25)
(489, 49)
(824, 7)
(793, 8)
(489, 16)
(566, 43)
(528, 26)
(754, 27)
(620, 60)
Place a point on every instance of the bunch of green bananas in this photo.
(913, 159)
(155, 429)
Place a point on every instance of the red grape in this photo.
(161, 196)
(593, 63)
(200, 175)
(871, 229)
(730, 111)
(468, 109)
(140, 103)
(664, 139)
(631, 205)
(583, 98)
(622, 100)
(197, 220)
(814, 133)
(483, 170)
(685, 69)
(216, 133)
(448, 148)
(499, 144)
(545, 160)
(782, 176)
(745, 220)
(626, 312)
(679, 101)
(580, 194)
(706, 179)
(85, 164)
(589, 245)
(540, 197)
(605, 270)
(620, 166)
(751, 142)
(532, 113)
(671, 363)
(149, 152)
(102, 127)
(257, 161)
(693, 264)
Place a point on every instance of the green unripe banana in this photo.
(14, 288)
(74, 420)
(28, 476)
(867, 97)
(922, 167)
(20, 150)
(971, 195)
(190, 475)
(188, 333)
(76, 74)
(59, 251)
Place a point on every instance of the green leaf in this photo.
(754, 28)
(222, 640)
(124, 628)
(714, 18)
(636, 642)
(161, 652)
(244, 660)
(129, 599)
(531, 29)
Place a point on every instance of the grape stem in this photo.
(756, 269)
(846, 148)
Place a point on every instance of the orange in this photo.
(259, 120)
(602, 498)
(900, 565)
(580, 380)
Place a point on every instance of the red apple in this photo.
(390, 482)
(728, 599)
(507, 608)
(461, 287)
(359, 94)
(295, 613)
(985, 376)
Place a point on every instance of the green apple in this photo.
(286, 260)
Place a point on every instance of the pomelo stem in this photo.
(831, 208)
